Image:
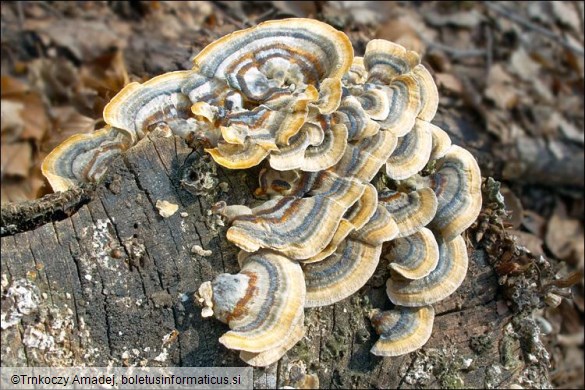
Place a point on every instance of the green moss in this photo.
(451, 380)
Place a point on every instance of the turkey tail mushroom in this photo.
(290, 94)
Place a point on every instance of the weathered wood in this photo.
(115, 284)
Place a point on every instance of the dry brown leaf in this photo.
(34, 116)
(534, 223)
(567, 15)
(54, 79)
(14, 192)
(529, 241)
(300, 9)
(406, 30)
(500, 88)
(563, 234)
(467, 19)
(523, 66)
(68, 121)
(449, 82)
(364, 12)
(12, 123)
(16, 159)
(85, 39)
(568, 129)
(102, 78)
(11, 86)
(513, 206)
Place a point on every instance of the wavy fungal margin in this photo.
(289, 94)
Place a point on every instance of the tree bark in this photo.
(111, 283)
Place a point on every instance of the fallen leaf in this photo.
(567, 15)
(12, 123)
(449, 82)
(513, 206)
(563, 234)
(16, 159)
(529, 241)
(299, 9)
(534, 223)
(500, 88)
(523, 66)
(467, 19)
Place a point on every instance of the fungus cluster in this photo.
(290, 94)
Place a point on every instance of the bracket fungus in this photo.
(289, 94)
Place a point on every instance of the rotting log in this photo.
(115, 281)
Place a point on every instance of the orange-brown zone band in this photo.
(241, 307)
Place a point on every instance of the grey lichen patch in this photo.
(493, 376)
(21, 299)
(445, 366)
(40, 332)
(509, 347)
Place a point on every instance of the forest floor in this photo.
(513, 73)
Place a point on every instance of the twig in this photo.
(239, 22)
(489, 55)
(20, 14)
(508, 14)
(455, 52)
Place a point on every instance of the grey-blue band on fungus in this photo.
(402, 330)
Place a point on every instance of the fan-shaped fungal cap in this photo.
(298, 227)
(261, 304)
(138, 106)
(236, 156)
(329, 95)
(343, 230)
(363, 159)
(441, 142)
(374, 100)
(402, 330)
(412, 210)
(414, 256)
(358, 123)
(429, 96)
(384, 60)
(363, 210)
(83, 158)
(263, 126)
(273, 182)
(313, 149)
(439, 284)
(357, 73)
(341, 274)
(457, 184)
(266, 358)
(412, 152)
(316, 50)
(380, 228)
(403, 102)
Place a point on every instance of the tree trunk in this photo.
(106, 280)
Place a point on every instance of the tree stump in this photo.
(106, 280)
